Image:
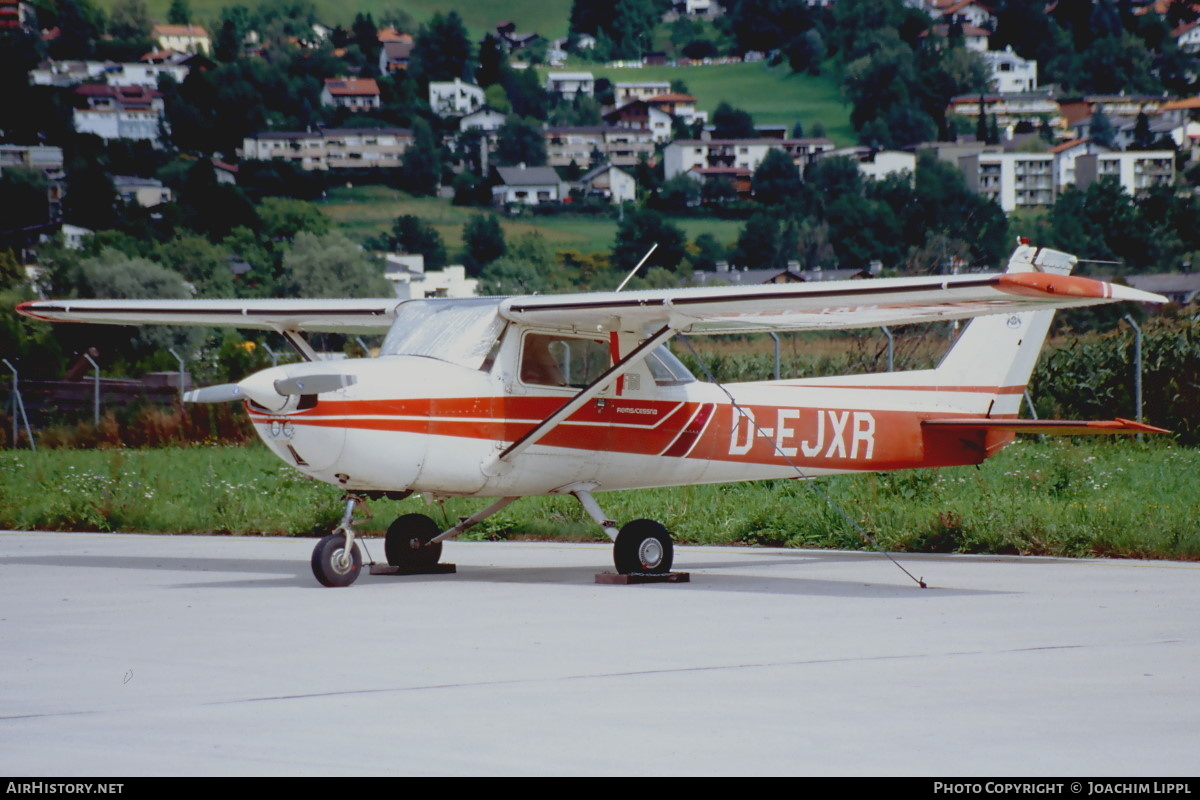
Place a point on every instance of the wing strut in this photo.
(299, 343)
(585, 394)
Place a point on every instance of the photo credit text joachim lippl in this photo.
(1085, 788)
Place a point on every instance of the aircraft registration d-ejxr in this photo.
(573, 394)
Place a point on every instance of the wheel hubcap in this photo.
(340, 562)
(650, 553)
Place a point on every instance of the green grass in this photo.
(1063, 498)
(370, 210)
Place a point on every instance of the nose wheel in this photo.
(335, 564)
(336, 560)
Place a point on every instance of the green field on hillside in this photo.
(370, 210)
(772, 95)
(547, 17)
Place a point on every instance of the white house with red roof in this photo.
(357, 94)
(119, 112)
(182, 38)
(967, 12)
(1187, 36)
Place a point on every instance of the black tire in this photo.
(405, 544)
(329, 564)
(643, 546)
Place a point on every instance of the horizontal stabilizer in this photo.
(1058, 427)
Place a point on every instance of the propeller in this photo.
(314, 384)
(219, 393)
(267, 393)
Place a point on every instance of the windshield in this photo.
(666, 368)
(459, 331)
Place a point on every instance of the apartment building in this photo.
(1135, 171)
(685, 155)
(621, 147)
(1013, 180)
(331, 148)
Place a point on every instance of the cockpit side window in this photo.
(552, 360)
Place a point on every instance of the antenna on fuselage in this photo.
(633, 271)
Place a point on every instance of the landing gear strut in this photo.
(641, 547)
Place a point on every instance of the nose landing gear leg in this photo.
(336, 560)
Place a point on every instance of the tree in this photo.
(421, 172)
(526, 93)
(1143, 138)
(732, 123)
(483, 242)
(23, 197)
(410, 235)
(638, 232)
(204, 264)
(758, 245)
(493, 62)
(113, 274)
(12, 274)
(1101, 131)
(707, 252)
(776, 180)
(285, 218)
(211, 208)
(625, 27)
(442, 50)
(180, 13)
(366, 36)
(330, 265)
(676, 195)
(526, 268)
(228, 46)
(79, 25)
(130, 19)
(90, 197)
(520, 141)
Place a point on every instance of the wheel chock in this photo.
(434, 569)
(617, 579)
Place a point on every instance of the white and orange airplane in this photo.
(575, 394)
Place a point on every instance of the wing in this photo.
(371, 315)
(819, 305)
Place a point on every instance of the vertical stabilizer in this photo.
(998, 352)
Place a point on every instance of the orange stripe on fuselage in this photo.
(854, 439)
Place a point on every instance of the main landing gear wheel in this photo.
(406, 544)
(331, 565)
(643, 546)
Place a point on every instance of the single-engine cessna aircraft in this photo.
(573, 394)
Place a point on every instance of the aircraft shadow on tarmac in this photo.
(707, 576)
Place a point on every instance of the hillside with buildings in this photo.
(193, 151)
